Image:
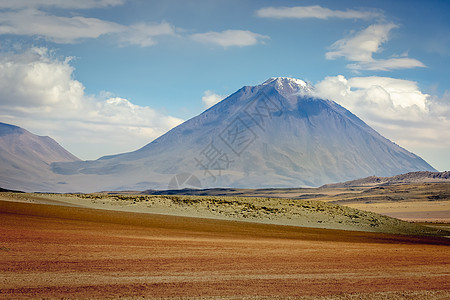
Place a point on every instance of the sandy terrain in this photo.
(417, 211)
(51, 251)
(429, 202)
(413, 201)
(305, 213)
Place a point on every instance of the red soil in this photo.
(54, 252)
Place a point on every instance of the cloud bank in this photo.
(38, 92)
(395, 107)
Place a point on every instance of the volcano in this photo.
(276, 134)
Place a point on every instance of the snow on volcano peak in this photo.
(289, 86)
(285, 81)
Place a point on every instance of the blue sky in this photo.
(109, 76)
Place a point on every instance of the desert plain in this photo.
(107, 246)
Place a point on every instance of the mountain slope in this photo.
(25, 158)
(271, 135)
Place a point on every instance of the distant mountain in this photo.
(411, 177)
(275, 134)
(12, 191)
(25, 159)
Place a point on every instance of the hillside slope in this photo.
(25, 158)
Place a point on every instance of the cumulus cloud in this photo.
(394, 107)
(230, 38)
(38, 92)
(315, 11)
(362, 45)
(66, 30)
(210, 98)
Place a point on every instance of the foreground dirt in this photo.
(49, 251)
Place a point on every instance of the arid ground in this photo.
(53, 251)
(413, 201)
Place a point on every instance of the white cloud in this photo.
(384, 98)
(315, 11)
(53, 28)
(362, 45)
(142, 34)
(394, 107)
(210, 98)
(387, 64)
(230, 38)
(68, 4)
(38, 92)
(32, 22)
